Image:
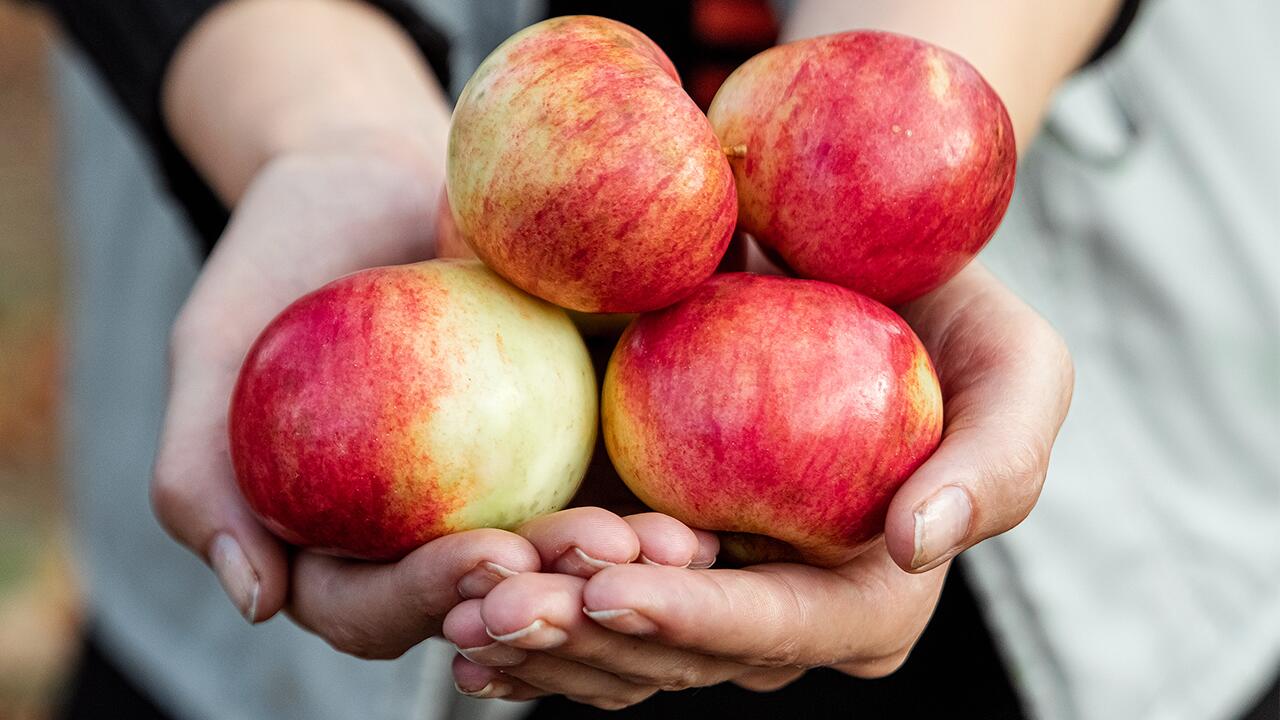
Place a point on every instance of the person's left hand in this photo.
(1007, 382)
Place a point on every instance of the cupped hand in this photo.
(305, 220)
(631, 630)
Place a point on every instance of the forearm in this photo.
(1024, 49)
(260, 79)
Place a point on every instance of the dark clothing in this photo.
(131, 42)
(954, 671)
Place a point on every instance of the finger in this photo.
(667, 541)
(1007, 380)
(769, 679)
(581, 541)
(376, 611)
(478, 681)
(577, 682)
(769, 615)
(708, 549)
(464, 627)
(195, 498)
(544, 612)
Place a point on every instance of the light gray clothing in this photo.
(1145, 586)
(1146, 226)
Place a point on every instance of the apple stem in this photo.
(735, 151)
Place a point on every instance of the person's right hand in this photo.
(305, 220)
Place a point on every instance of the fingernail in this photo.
(238, 579)
(645, 560)
(495, 654)
(624, 620)
(941, 524)
(702, 564)
(577, 562)
(537, 635)
(484, 577)
(492, 690)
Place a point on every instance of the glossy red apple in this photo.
(876, 161)
(398, 404)
(785, 412)
(581, 171)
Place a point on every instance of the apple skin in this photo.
(450, 244)
(868, 159)
(581, 171)
(399, 404)
(782, 412)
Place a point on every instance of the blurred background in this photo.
(39, 616)
(40, 610)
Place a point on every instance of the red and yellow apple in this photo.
(399, 404)
(449, 244)
(784, 412)
(581, 171)
(872, 160)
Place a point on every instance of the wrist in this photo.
(385, 184)
(259, 80)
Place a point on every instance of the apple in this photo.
(868, 159)
(581, 171)
(449, 244)
(399, 404)
(781, 411)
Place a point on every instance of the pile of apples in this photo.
(398, 404)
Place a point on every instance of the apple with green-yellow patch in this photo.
(398, 404)
(580, 170)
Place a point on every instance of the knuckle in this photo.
(170, 494)
(416, 580)
(1023, 472)
(353, 641)
(783, 649)
(785, 652)
(1027, 460)
(682, 678)
(677, 677)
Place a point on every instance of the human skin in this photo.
(581, 171)
(1006, 379)
(331, 180)
(327, 172)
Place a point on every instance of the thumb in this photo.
(195, 498)
(968, 491)
(987, 474)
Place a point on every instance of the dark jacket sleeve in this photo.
(131, 43)
(1120, 25)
